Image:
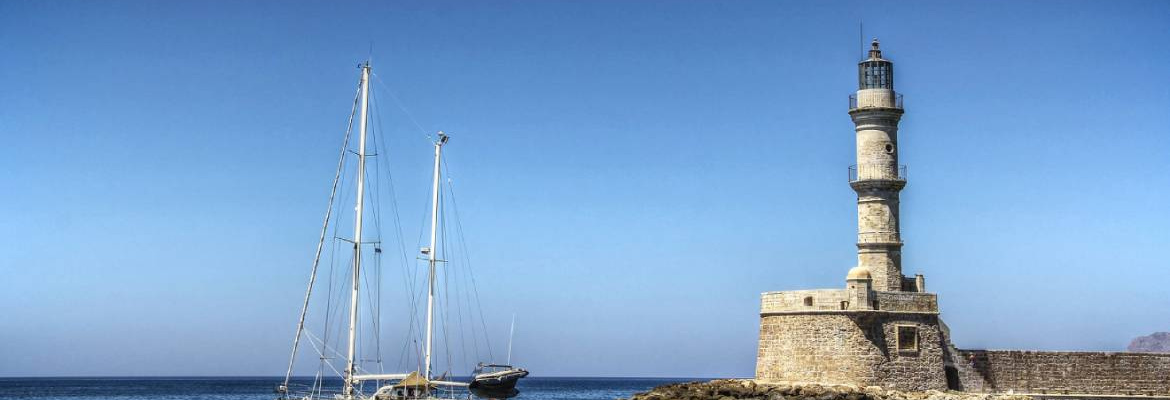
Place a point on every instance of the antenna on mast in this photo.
(861, 39)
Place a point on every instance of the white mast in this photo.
(431, 253)
(350, 367)
(511, 334)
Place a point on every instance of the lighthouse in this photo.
(883, 328)
(877, 177)
(880, 329)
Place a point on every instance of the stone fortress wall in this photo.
(851, 347)
(1070, 373)
(797, 301)
(822, 343)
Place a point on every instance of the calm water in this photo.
(534, 388)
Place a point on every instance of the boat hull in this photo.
(501, 381)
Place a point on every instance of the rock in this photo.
(1157, 342)
(875, 391)
(742, 389)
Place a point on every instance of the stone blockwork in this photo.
(906, 301)
(832, 299)
(803, 300)
(857, 348)
(1050, 372)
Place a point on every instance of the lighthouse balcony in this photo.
(877, 172)
(875, 99)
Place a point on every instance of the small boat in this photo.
(498, 380)
(496, 376)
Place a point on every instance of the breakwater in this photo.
(745, 389)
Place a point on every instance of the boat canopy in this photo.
(414, 380)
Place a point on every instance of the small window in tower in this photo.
(808, 301)
(889, 148)
(907, 338)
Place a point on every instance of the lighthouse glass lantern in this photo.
(876, 72)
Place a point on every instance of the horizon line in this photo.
(193, 377)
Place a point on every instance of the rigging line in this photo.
(318, 383)
(459, 312)
(324, 349)
(470, 270)
(376, 195)
(462, 326)
(393, 191)
(470, 318)
(462, 283)
(408, 280)
(412, 334)
(414, 331)
(452, 269)
(417, 300)
(333, 254)
(378, 320)
(409, 274)
(418, 293)
(420, 298)
(319, 351)
(320, 243)
(339, 310)
(466, 265)
(339, 288)
(408, 277)
(398, 102)
(423, 225)
(370, 298)
(374, 295)
(330, 294)
(340, 297)
(446, 285)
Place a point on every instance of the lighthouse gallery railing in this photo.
(883, 172)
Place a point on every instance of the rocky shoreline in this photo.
(745, 389)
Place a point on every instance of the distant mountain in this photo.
(1157, 342)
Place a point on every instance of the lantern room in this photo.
(875, 72)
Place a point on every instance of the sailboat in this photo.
(355, 384)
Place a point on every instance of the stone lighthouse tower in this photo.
(877, 177)
(881, 328)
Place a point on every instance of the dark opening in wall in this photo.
(808, 301)
(907, 338)
(953, 382)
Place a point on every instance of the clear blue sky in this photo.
(631, 175)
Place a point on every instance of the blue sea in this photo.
(532, 388)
